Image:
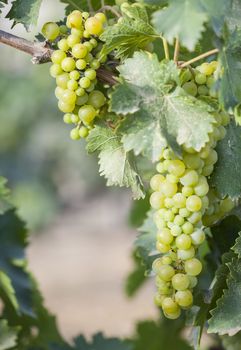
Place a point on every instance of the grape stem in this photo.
(166, 48)
(176, 51)
(198, 58)
(111, 9)
(41, 53)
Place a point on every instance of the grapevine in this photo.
(154, 89)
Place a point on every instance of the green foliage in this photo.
(100, 343)
(2, 4)
(183, 19)
(8, 335)
(116, 165)
(84, 5)
(131, 32)
(25, 12)
(229, 162)
(136, 277)
(159, 114)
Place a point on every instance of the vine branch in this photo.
(41, 53)
(111, 9)
(198, 58)
(176, 51)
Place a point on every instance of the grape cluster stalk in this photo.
(184, 204)
(75, 61)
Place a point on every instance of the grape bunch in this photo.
(183, 204)
(75, 60)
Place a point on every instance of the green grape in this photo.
(193, 203)
(55, 70)
(187, 191)
(74, 118)
(157, 200)
(58, 92)
(158, 299)
(186, 254)
(68, 96)
(72, 85)
(179, 200)
(80, 92)
(83, 132)
(81, 64)
(58, 56)
(81, 100)
(169, 189)
(72, 40)
(173, 315)
(67, 118)
(203, 90)
(206, 69)
(88, 46)
(63, 29)
(166, 272)
(198, 237)
(202, 187)
(90, 73)
(190, 178)
(207, 170)
(85, 15)
(74, 134)
(176, 167)
(65, 107)
(190, 88)
(184, 212)
(184, 298)
(166, 260)
(86, 34)
(79, 50)
(200, 78)
(93, 42)
(63, 45)
(89, 57)
(87, 114)
(162, 248)
(74, 20)
(187, 228)
(97, 99)
(172, 178)
(156, 180)
(193, 281)
(176, 230)
(68, 64)
(50, 31)
(212, 158)
(170, 306)
(192, 161)
(101, 17)
(62, 80)
(179, 220)
(180, 281)
(183, 241)
(77, 32)
(195, 217)
(75, 75)
(84, 82)
(193, 267)
(95, 64)
(93, 26)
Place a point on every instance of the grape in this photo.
(63, 29)
(93, 42)
(179, 200)
(74, 134)
(68, 96)
(176, 167)
(58, 56)
(190, 88)
(84, 82)
(74, 118)
(206, 69)
(72, 84)
(80, 92)
(170, 306)
(156, 180)
(157, 200)
(66, 107)
(58, 92)
(87, 113)
(187, 228)
(168, 188)
(79, 50)
(101, 17)
(67, 118)
(81, 64)
(180, 281)
(68, 64)
(55, 70)
(62, 80)
(50, 31)
(185, 254)
(90, 73)
(163, 248)
(63, 45)
(200, 78)
(97, 99)
(193, 267)
(75, 75)
(95, 64)
(198, 237)
(187, 191)
(194, 203)
(166, 272)
(88, 46)
(77, 32)
(203, 90)
(190, 178)
(74, 20)
(183, 241)
(93, 26)
(83, 132)
(184, 298)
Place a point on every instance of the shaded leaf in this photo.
(229, 163)
(136, 277)
(183, 19)
(8, 335)
(99, 342)
(116, 165)
(25, 12)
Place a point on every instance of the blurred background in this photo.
(80, 249)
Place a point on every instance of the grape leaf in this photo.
(2, 4)
(233, 16)
(5, 202)
(230, 57)
(162, 335)
(226, 317)
(100, 343)
(159, 114)
(183, 19)
(146, 242)
(130, 33)
(25, 12)
(8, 335)
(84, 5)
(229, 163)
(116, 165)
(232, 343)
(13, 237)
(136, 277)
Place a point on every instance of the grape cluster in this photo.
(184, 204)
(75, 61)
